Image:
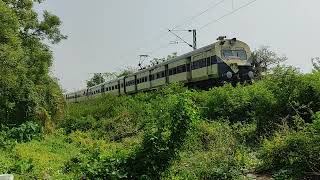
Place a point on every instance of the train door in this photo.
(199, 67)
(211, 64)
(102, 89)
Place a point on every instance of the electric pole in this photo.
(194, 32)
(194, 39)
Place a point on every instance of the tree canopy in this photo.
(97, 78)
(316, 63)
(27, 91)
(264, 59)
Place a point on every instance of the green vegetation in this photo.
(268, 128)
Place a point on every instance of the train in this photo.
(226, 60)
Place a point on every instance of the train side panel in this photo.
(130, 84)
(158, 76)
(179, 71)
(143, 82)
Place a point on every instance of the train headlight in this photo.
(250, 74)
(229, 74)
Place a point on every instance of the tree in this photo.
(316, 63)
(160, 60)
(97, 78)
(27, 91)
(264, 59)
(126, 71)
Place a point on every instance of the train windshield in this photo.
(228, 54)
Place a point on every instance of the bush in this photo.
(26, 132)
(292, 151)
(212, 152)
(294, 94)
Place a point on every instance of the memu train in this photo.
(227, 60)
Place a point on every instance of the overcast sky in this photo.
(107, 35)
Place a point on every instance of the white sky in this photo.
(108, 35)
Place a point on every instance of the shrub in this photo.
(293, 151)
(26, 132)
(211, 152)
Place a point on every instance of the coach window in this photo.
(183, 67)
(188, 67)
(214, 60)
(179, 69)
(195, 65)
(163, 74)
(208, 61)
(174, 71)
(202, 63)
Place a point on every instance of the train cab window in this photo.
(112, 87)
(234, 53)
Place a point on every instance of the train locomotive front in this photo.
(235, 60)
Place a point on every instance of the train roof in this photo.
(189, 54)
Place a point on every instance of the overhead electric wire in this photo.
(211, 22)
(199, 14)
(228, 14)
(190, 19)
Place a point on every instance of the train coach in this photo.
(227, 60)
